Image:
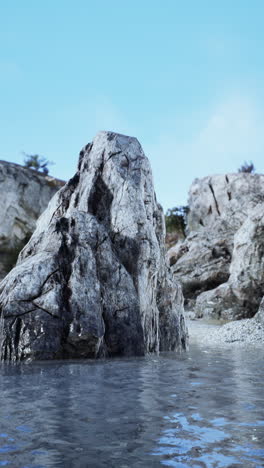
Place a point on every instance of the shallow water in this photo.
(204, 408)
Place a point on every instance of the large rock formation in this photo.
(202, 261)
(228, 198)
(93, 280)
(240, 296)
(24, 196)
(219, 208)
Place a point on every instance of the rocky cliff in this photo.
(24, 196)
(227, 198)
(220, 263)
(240, 296)
(93, 280)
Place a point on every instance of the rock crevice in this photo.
(93, 280)
(220, 263)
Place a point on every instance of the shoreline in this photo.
(245, 332)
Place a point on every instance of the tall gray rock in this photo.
(93, 280)
(24, 196)
(219, 205)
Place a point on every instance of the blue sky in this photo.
(184, 77)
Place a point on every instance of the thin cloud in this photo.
(235, 127)
(232, 133)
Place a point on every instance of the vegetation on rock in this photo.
(37, 163)
(176, 219)
(247, 167)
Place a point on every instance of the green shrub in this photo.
(247, 167)
(176, 219)
(37, 163)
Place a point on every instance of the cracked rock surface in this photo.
(93, 280)
(24, 196)
(210, 261)
(241, 295)
(228, 197)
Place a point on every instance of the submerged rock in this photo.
(93, 280)
(24, 196)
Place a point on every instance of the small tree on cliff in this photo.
(247, 167)
(176, 219)
(37, 163)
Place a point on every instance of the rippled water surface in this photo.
(201, 409)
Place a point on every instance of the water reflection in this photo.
(198, 409)
(226, 427)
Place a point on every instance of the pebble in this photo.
(239, 332)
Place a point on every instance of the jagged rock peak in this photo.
(93, 280)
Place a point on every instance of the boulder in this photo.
(93, 280)
(260, 314)
(24, 196)
(241, 295)
(218, 207)
(202, 261)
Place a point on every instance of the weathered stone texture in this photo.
(202, 261)
(220, 263)
(241, 295)
(24, 196)
(260, 314)
(93, 280)
(229, 197)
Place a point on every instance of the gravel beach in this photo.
(238, 333)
